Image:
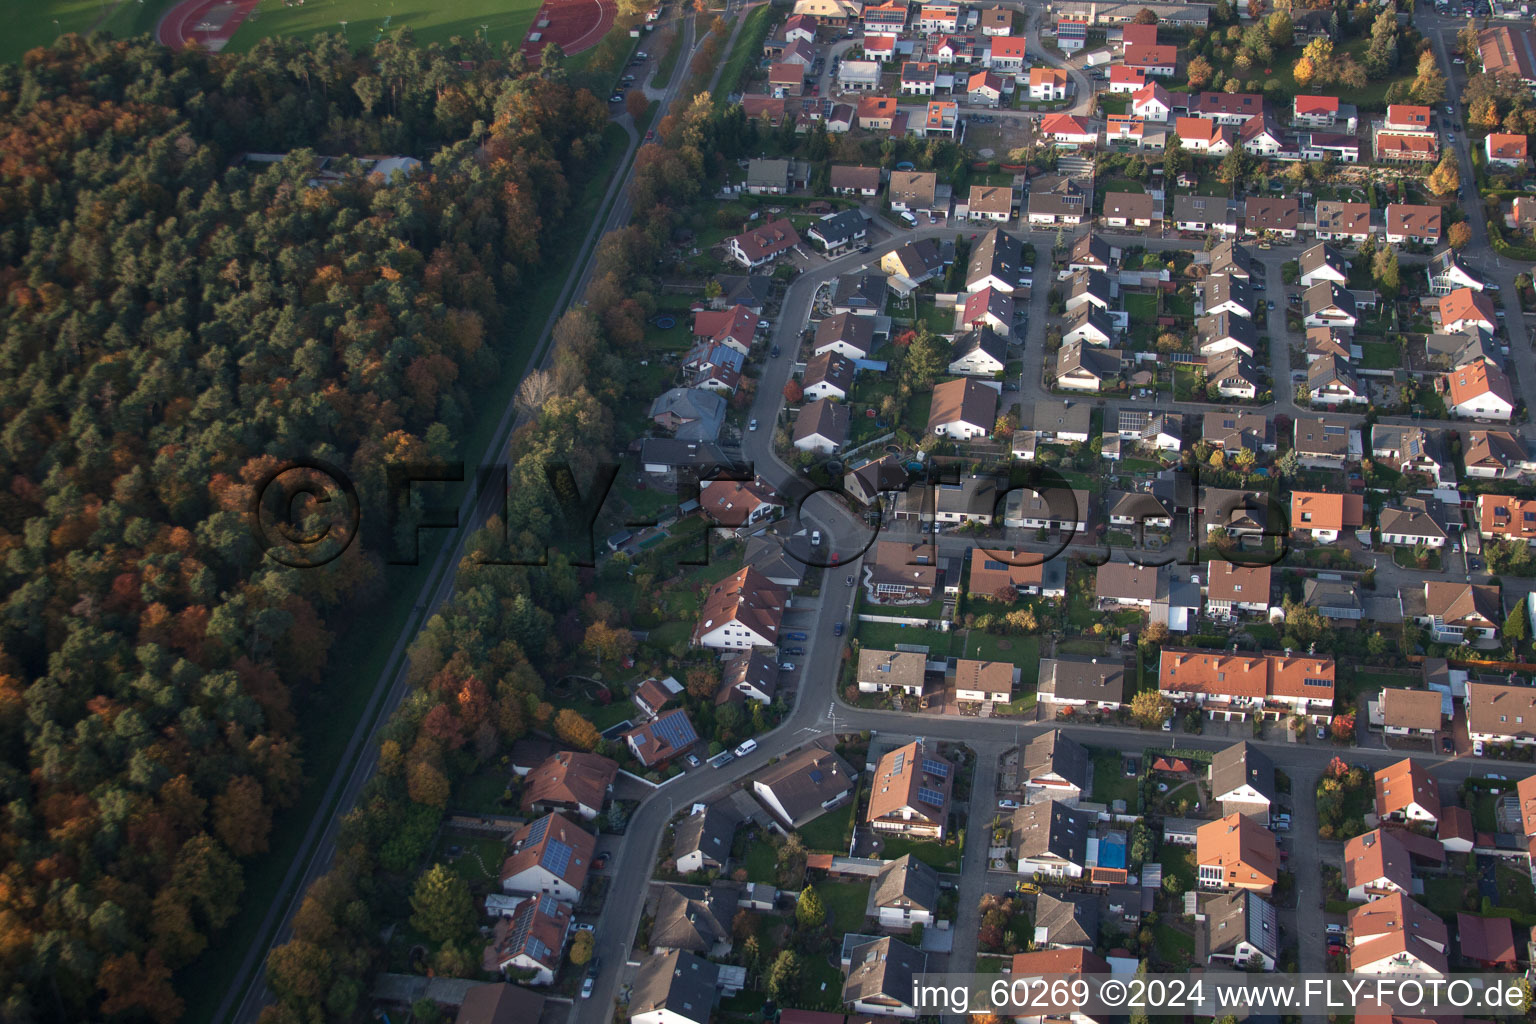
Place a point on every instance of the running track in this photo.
(577, 25)
(178, 27)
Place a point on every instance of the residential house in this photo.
(1332, 381)
(1232, 109)
(1339, 221)
(1406, 792)
(1396, 935)
(1234, 431)
(862, 294)
(985, 89)
(692, 414)
(1462, 612)
(918, 78)
(1486, 942)
(530, 940)
(1446, 273)
(1224, 332)
(901, 571)
(862, 76)
(750, 675)
(991, 203)
(997, 262)
(1047, 83)
(1410, 148)
(1057, 508)
(993, 570)
(1056, 765)
(1090, 286)
(982, 681)
(1067, 129)
(1411, 712)
(1411, 449)
(913, 191)
(1417, 521)
(1083, 682)
(743, 610)
(867, 482)
(1207, 137)
(943, 119)
(764, 244)
(1508, 51)
(1056, 199)
(804, 785)
(1467, 307)
(1204, 214)
(1243, 683)
(847, 336)
(838, 231)
(499, 1003)
(738, 503)
(905, 892)
(879, 114)
(1329, 146)
(1233, 375)
(912, 263)
(997, 21)
(676, 987)
(1135, 509)
(1495, 454)
(980, 351)
(882, 975)
(1007, 55)
(1505, 151)
(1232, 588)
(1327, 341)
(1325, 304)
(774, 177)
(887, 671)
(1501, 714)
(1333, 599)
(1126, 583)
(1376, 865)
(910, 792)
(550, 856)
(1242, 779)
(1237, 930)
(1221, 293)
(829, 375)
(1323, 441)
(786, 78)
(1407, 222)
(852, 180)
(570, 781)
(1315, 111)
(1160, 59)
(1087, 324)
(1126, 80)
(821, 426)
(1051, 838)
(1505, 517)
(1152, 103)
(962, 409)
(663, 739)
(1236, 852)
(1087, 368)
(1322, 262)
(1131, 209)
(1478, 391)
(1260, 135)
(1067, 920)
(693, 918)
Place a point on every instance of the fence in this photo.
(901, 620)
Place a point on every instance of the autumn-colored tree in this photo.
(427, 784)
(1304, 71)
(1445, 178)
(793, 392)
(635, 104)
(441, 905)
(1199, 72)
(1169, 342)
(241, 817)
(701, 681)
(1145, 17)
(1149, 707)
(608, 643)
(1337, 768)
(1459, 235)
(580, 952)
(576, 730)
(143, 986)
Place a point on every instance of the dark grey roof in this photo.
(751, 290)
(1323, 255)
(1071, 919)
(766, 554)
(875, 477)
(704, 409)
(709, 831)
(840, 228)
(676, 981)
(694, 918)
(998, 254)
(1226, 325)
(908, 882)
(1242, 763)
(1057, 416)
(1082, 678)
(1232, 258)
(860, 291)
(824, 417)
(883, 968)
(982, 339)
(1330, 369)
(1235, 917)
(1055, 752)
(677, 454)
(1051, 827)
(1330, 594)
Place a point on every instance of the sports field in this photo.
(39, 23)
(502, 20)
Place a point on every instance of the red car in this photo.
(650, 135)
(834, 558)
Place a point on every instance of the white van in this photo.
(746, 748)
(907, 216)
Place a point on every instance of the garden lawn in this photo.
(845, 903)
(1108, 185)
(1443, 895)
(1110, 783)
(884, 636)
(1174, 946)
(1179, 862)
(1380, 355)
(832, 832)
(934, 854)
(1141, 306)
(1403, 556)
(761, 863)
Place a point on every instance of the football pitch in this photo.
(366, 20)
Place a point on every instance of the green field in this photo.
(38, 24)
(503, 20)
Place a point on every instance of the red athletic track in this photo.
(576, 25)
(178, 28)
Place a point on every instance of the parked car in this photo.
(1447, 746)
(1023, 886)
(1335, 929)
(586, 987)
(786, 666)
(795, 650)
(850, 581)
(1167, 725)
(794, 636)
(837, 629)
(1322, 733)
(745, 747)
(863, 248)
(616, 98)
(1008, 805)
(815, 538)
(774, 352)
(693, 760)
(753, 424)
(724, 759)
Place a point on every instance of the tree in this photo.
(810, 912)
(1169, 342)
(1200, 73)
(1175, 160)
(441, 906)
(241, 817)
(784, 975)
(1145, 17)
(793, 392)
(608, 643)
(1459, 235)
(702, 681)
(1149, 707)
(1429, 83)
(1235, 166)
(1304, 71)
(576, 730)
(581, 949)
(1280, 29)
(635, 104)
(927, 358)
(1384, 269)
(1517, 627)
(1445, 178)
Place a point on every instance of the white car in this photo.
(745, 748)
(1477, 747)
(753, 424)
(586, 988)
(1008, 805)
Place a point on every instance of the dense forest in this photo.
(176, 322)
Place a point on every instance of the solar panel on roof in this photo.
(549, 906)
(899, 763)
(557, 857)
(1319, 682)
(816, 775)
(676, 730)
(933, 767)
(931, 797)
(1333, 430)
(536, 832)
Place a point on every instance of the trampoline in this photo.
(666, 323)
